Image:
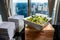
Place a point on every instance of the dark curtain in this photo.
(29, 7)
(51, 5)
(4, 5)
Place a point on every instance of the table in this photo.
(10, 27)
(46, 33)
(18, 20)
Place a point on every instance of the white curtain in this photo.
(12, 8)
(55, 12)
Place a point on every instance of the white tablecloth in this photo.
(18, 19)
(10, 26)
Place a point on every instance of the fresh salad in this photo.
(38, 19)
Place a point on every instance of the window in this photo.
(39, 6)
(20, 7)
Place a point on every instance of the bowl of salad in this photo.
(37, 21)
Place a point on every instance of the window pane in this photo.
(21, 7)
(39, 6)
(0, 17)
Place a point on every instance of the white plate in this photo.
(37, 26)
